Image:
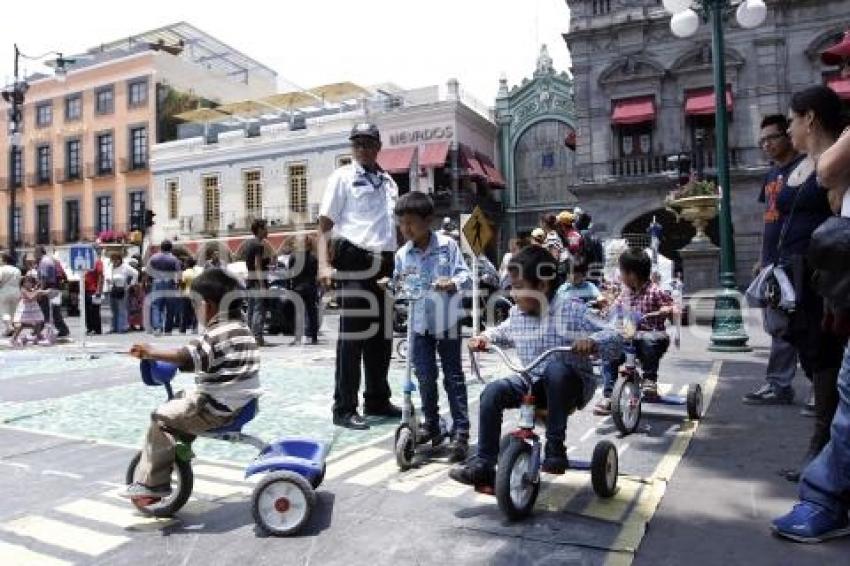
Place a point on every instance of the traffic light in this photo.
(149, 214)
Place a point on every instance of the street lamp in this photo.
(14, 95)
(728, 334)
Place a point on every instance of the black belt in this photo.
(348, 256)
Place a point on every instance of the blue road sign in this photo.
(82, 258)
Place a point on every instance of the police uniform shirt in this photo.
(361, 206)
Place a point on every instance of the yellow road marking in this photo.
(64, 535)
(16, 555)
(125, 517)
(634, 525)
(375, 474)
(354, 461)
(556, 493)
(615, 508)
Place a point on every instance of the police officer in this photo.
(357, 230)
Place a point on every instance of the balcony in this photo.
(232, 223)
(126, 165)
(64, 176)
(94, 170)
(41, 179)
(646, 165)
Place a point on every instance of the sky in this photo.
(313, 42)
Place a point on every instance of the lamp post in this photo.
(728, 334)
(15, 97)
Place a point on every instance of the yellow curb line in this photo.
(625, 546)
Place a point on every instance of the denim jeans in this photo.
(424, 350)
(257, 316)
(561, 390)
(649, 350)
(118, 306)
(826, 480)
(164, 305)
(188, 320)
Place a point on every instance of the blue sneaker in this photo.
(808, 522)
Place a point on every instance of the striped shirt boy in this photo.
(227, 362)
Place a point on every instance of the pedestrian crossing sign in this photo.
(82, 258)
(477, 231)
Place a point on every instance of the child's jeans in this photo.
(424, 352)
(187, 413)
(562, 389)
(650, 348)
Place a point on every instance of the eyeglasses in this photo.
(770, 139)
(363, 144)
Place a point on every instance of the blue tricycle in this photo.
(281, 502)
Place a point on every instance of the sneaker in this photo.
(649, 391)
(809, 522)
(603, 407)
(808, 409)
(157, 332)
(477, 473)
(768, 394)
(141, 490)
(459, 449)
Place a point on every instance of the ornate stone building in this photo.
(642, 96)
(537, 136)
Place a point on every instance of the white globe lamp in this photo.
(751, 13)
(684, 24)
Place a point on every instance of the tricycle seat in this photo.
(245, 415)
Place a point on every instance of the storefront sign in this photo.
(424, 135)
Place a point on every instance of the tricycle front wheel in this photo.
(182, 480)
(516, 483)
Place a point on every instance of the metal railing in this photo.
(643, 165)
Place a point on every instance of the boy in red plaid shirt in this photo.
(640, 296)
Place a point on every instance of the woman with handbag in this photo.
(822, 511)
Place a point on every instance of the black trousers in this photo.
(365, 339)
(93, 322)
(46, 309)
(309, 323)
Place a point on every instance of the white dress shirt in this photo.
(361, 206)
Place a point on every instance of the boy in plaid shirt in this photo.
(540, 320)
(640, 296)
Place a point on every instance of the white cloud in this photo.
(312, 42)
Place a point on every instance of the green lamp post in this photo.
(728, 334)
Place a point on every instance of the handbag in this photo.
(829, 255)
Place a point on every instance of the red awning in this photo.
(701, 102)
(494, 176)
(633, 111)
(840, 86)
(396, 159)
(434, 154)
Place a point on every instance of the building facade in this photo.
(82, 170)
(276, 165)
(643, 96)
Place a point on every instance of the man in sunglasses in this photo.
(782, 364)
(357, 230)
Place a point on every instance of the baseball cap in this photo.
(838, 52)
(365, 130)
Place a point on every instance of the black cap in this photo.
(365, 130)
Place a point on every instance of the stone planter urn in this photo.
(699, 211)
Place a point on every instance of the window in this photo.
(72, 220)
(548, 158)
(601, 7)
(298, 188)
(105, 154)
(172, 189)
(18, 225)
(138, 147)
(252, 181)
(212, 203)
(137, 92)
(343, 160)
(635, 140)
(72, 160)
(137, 210)
(103, 214)
(43, 164)
(42, 224)
(44, 114)
(17, 166)
(104, 100)
(73, 107)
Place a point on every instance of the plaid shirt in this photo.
(566, 321)
(650, 298)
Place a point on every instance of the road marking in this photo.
(61, 474)
(413, 479)
(64, 535)
(448, 489)
(634, 525)
(354, 461)
(16, 555)
(192, 507)
(222, 473)
(375, 474)
(615, 508)
(15, 465)
(124, 517)
(218, 489)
